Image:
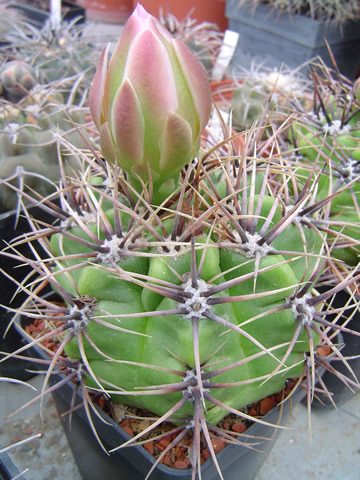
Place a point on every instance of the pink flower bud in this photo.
(151, 103)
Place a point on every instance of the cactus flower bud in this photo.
(150, 104)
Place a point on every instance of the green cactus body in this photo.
(175, 333)
(252, 321)
(333, 154)
(249, 102)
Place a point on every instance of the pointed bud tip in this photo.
(141, 12)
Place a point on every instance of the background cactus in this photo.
(249, 103)
(53, 54)
(204, 39)
(44, 81)
(17, 78)
(327, 138)
(10, 20)
(29, 134)
(260, 90)
(336, 11)
(197, 304)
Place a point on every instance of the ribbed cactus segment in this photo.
(249, 102)
(167, 298)
(328, 140)
(168, 336)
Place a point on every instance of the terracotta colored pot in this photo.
(222, 90)
(202, 10)
(107, 11)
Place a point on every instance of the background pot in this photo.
(10, 228)
(202, 10)
(292, 40)
(107, 11)
(38, 17)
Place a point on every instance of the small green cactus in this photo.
(328, 138)
(334, 11)
(29, 132)
(249, 103)
(53, 54)
(262, 90)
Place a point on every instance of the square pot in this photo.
(38, 17)
(350, 348)
(8, 470)
(265, 35)
(135, 462)
(10, 339)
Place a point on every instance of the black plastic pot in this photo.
(135, 462)
(10, 339)
(10, 228)
(13, 367)
(38, 17)
(267, 36)
(72, 10)
(8, 470)
(340, 392)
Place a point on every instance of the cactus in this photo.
(194, 305)
(249, 103)
(44, 82)
(11, 20)
(327, 137)
(204, 39)
(52, 54)
(29, 133)
(260, 90)
(334, 11)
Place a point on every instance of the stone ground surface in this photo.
(46, 458)
(334, 452)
